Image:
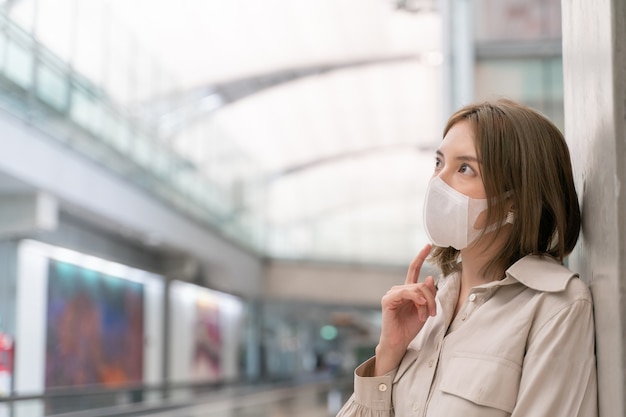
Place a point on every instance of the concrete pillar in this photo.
(27, 213)
(8, 291)
(594, 66)
(459, 55)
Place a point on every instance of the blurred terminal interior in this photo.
(201, 194)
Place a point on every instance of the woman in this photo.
(507, 330)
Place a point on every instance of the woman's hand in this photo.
(405, 309)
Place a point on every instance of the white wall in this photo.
(30, 328)
(333, 284)
(594, 66)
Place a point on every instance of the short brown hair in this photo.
(524, 160)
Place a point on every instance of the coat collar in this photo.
(542, 273)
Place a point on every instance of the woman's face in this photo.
(457, 163)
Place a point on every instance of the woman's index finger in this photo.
(416, 265)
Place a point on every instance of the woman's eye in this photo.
(466, 169)
(438, 163)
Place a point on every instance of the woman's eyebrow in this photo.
(467, 158)
(470, 158)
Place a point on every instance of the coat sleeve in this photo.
(372, 395)
(559, 370)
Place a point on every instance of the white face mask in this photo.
(450, 216)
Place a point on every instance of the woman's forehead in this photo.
(459, 140)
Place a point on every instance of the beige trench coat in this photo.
(522, 346)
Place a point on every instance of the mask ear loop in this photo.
(510, 219)
(510, 215)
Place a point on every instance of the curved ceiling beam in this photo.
(232, 91)
(315, 163)
(175, 113)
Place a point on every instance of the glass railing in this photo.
(39, 87)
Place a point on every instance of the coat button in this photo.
(382, 387)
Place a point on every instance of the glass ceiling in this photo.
(320, 115)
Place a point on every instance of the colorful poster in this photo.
(95, 328)
(207, 353)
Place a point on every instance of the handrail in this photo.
(167, 386)
(126, 388)
(166, 405)
(79, 402)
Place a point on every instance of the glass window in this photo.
(499, 20)
(23, 13)
(89, 40)
(19, 64)
(52, 87)
(537, 82)
(55, 23)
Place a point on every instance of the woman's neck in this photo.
(474, 272)
(475, 259)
